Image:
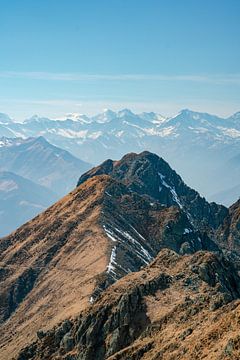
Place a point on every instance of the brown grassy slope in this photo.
(50, 267)
(53, 260)
(179, 307)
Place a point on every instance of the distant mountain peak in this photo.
(125, 112)
(190, 113)
(236, 116)
(35, 118)
(186, 111)
(106, 116)
(5, 119)
(152, 117)
(81, 118)
(41, 140)
(108, 111)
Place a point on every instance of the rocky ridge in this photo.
(121, 215)
(160, 312)
(147, 173)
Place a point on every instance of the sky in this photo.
(63, 56)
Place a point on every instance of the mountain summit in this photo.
(147, 173)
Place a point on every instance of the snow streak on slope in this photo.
(172, 190)
(122, 238)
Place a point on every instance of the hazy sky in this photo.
(61, 56)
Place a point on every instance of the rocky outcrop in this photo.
(229, 231)
(147, 173)
(228, 235)
(173, 294)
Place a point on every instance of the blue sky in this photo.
(61, 56)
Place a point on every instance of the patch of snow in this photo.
(107, 193)
(199, 130)
(112, 262)
(119, 133)
(95, 135)
(91, 300)
(172, 190)
(72, 134)
(138, 233)
(187, 231)
(233, 133)
(142, 253)
(109, 233)
(139, 250)
(9, 142)
(167, 131)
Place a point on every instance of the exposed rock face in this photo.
(151, 314)
(229, 231)
(228, 234)
(146, 173)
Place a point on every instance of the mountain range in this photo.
(131, 264)
(38, 160)
(20, 200)
(41, 174)
(198, 145)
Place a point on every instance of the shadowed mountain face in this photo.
(20, 200)
(42, 174)
(39, 161)
(146, 173)
(67, 260)
(228, 234)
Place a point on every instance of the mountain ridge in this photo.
(113, 225)
(136, 317)
(162, 182)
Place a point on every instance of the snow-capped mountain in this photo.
(196, 144)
